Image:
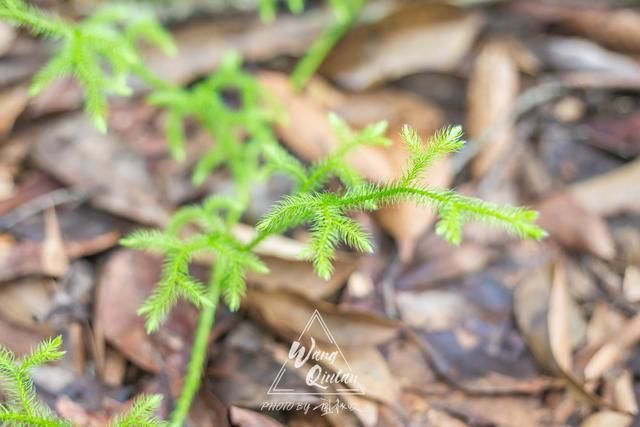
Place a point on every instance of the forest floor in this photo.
(493, 332)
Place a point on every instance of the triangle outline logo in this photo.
(344, 390)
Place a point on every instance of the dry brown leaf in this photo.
(531, 307)
(618, 29)
(19, 340)
(298, 276)
(631, 284)
(241, 417)
(612, 193)
(13, 101)
(12, 153)
(607, 419)
(7, 36)
(54, 257)
(558, 319)
(287, 314)
(117, 179)
(495, 411)
(407, 41)
(624, 396)
(575, 227)
(614, 349)
(27, 302)
(288, 272)
(493, 88)
(128, 278)
(84, 232)
(434, 309)
(604, 322)
(448, 263)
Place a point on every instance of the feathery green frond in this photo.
(99, 52)
(141, 413)
(240, 132)
(176, 282)
(151, 240)
(21, 14)
(23, 408)
(329, 225)
(335, 164)
(445, 141)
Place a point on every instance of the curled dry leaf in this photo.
(618, 29)
(405, 42)
(26, 303)
(607, 419)
(288, 272)
(241, 417)
(558, 319)
(531, 306)
(448, 263)
(624, 396)
(7, 36)
(54, 257)
(287, 314)
(566, 221)
(631, 283)
(13, 101)
(612, 193)
(84, 232)
(493, 88)
(614, 349)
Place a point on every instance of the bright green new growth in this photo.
(23, 408)
(205, 230)
(212, 238)
(330, 225)
(232, 107)
(107, 39)
(238, 131)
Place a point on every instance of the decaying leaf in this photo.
(407, 41)
(614, 349)
(618, 29)
(287, 314)
(117, 179)
(493, 87)
(558, 320)
(566, 221)
(531, 306)
(610, 194)
(12, 103)
(127, 278)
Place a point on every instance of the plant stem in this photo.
(322, 46)
(198, 355)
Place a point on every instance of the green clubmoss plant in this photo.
(22, 408)
(99, 52)
(238, 114)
